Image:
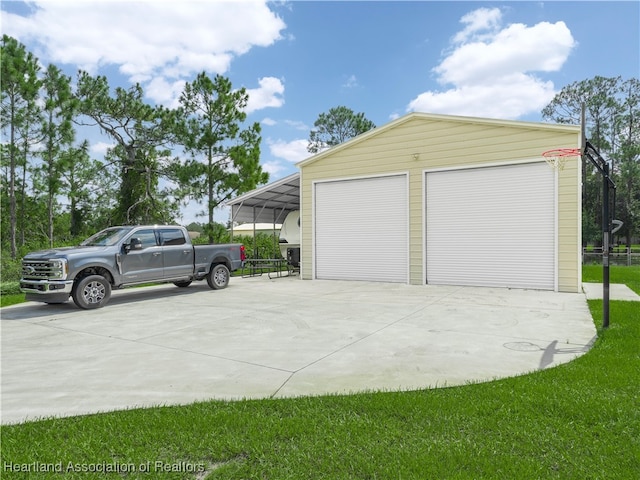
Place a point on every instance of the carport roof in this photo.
(270, 203)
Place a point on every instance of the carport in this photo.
(270, 203)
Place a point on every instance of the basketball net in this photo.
(557, 158)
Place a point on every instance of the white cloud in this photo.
(479, 23)
(352, 82)
(273, 168)
(101, 148)
(507, 97)
(268, 94)
(295, 124)
(146, 39)
(490, 68)
(164, 92)
(298, 125)
(293, 151)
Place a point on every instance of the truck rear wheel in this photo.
(218, 277)
(93, 291)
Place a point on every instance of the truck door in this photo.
(177, 252)
(145, 264)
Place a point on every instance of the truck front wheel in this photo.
(218, 277)
(93, 291)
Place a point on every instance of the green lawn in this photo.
(617, 274)
(579, 420)
(11, 299)
(10, 294)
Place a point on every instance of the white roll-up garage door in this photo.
(491, 226)
(361, 229)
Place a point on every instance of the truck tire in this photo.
(182, 284)
(93, 291)
(218, 277)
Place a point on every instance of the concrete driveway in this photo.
(277, 338)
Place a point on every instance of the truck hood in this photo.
(64, 252)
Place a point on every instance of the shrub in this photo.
(264, 245)
(10, 269)
(10, 288)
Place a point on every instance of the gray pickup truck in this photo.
(121, 256)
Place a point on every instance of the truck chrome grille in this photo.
(40, 270)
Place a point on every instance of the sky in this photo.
(298, 59)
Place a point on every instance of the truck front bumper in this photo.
(48, 291)
(47, 287)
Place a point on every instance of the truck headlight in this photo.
(59, 268)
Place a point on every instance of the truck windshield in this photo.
(107, 237)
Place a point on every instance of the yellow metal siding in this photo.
(569, 227)
(424, 142)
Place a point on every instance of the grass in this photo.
(617, 274)
(579, 420)
(11, 299)
(10, 294)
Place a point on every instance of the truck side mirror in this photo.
(134, 244)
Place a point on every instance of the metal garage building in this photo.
(445, 200)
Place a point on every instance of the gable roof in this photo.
(434, 117)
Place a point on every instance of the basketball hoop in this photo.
(558, 157)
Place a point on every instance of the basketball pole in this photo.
(606, 230)
(602, 165)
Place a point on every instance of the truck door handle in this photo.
(186, 252)
(155, 254)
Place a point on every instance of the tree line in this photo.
(612, 108)
(53, 191)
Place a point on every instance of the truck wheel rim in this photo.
(94, 292)
(219, 276)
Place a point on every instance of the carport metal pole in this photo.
(255, 246)
(607, 185)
